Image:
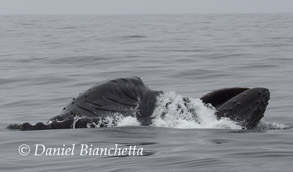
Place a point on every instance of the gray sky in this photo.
(143, 6)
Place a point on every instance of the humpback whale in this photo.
(131, 97)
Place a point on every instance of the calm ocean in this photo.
(48, 60)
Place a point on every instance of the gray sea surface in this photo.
(48, 60)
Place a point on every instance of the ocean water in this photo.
(48, 60)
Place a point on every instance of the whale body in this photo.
(131, 97)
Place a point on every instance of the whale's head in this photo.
(246, 107)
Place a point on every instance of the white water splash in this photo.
(172, 111)
(262, 125)
(75, 119)
(128, 121)
(116, 120)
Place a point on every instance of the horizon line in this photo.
(201, 13)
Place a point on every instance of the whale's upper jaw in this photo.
(218, 97)
(247, 108)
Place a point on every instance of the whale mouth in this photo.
(175, 111)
